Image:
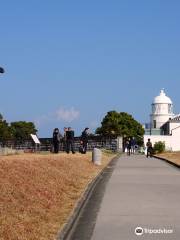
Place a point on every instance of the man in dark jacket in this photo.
(56, 139)
(128, 145)
(149, 148)
(70, 140)
(65, 139)
(84, 140)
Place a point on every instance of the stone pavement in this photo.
(140, 193)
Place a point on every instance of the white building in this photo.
(162, 110)
(164, 124)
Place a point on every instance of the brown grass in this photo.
(38, 192)
(171, 156)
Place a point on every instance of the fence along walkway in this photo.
(46, 144)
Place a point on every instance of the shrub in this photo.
(159, 147)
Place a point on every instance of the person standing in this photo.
(149, 148)
(133, 145)
(84, 140)
(65, 139)
(70, 140)
(56, 140)
(128, 146)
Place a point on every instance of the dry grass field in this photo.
(171, 156)
(38, 192)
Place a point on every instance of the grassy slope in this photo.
(171, 156)
(38, 192)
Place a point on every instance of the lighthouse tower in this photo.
(164, 125)
(162, 110)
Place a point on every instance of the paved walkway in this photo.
(140, 193)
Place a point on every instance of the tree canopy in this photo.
(120, 124)
(20, 130)
(5, 133)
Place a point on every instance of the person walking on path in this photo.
(133, 144)
(56, 140)
(149, 148)
(70, 140)
(84, 140)
(128, 146)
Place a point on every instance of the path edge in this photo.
(64, 232)
(168, 161)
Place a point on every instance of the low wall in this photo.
(172, 143)
(8, 151)
(46, 144)
(109, 144)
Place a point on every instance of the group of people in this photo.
(130, 145)
(68, 140)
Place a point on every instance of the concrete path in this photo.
(140, 193)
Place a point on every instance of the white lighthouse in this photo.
(162, 110)
(164, 124)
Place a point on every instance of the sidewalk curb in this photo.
(64, 233)
(166, 160)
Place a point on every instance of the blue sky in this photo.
(69, 62)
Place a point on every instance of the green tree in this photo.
(21, 130)
(120, 124)
(5, 133)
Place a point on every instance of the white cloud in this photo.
(42, 120)
(67, 115)
(61, 114)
